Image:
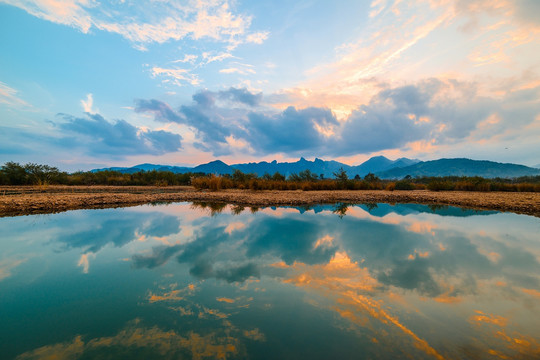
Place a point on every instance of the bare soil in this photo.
(25, 200)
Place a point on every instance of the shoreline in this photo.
(28, 200)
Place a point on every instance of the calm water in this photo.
(212, 281)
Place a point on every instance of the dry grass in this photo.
(28, 200)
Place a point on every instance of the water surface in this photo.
(371, 281)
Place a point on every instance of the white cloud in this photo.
(238, 68)
(146, 22)
(88, 104)
(9, 96)
(209, 57)
(188, 58)
(177, 76)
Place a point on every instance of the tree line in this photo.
(12, 173)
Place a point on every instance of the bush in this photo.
(437, 185)
(404, 185)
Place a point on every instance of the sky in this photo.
(87, 84)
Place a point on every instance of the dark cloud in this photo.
(98, 136)
(212, 124)
(430, 110)
(242, 96)
(160, 110)
(291, 131)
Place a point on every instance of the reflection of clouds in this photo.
(403, 245)
(290, 239)
(234, 226)
(118, 229)
(503, 341)
(226, 300)
(84, 262)
(488, 318)
(133, 338)
(173, 294)
(351, 285)
(7, 266)
(255, 334)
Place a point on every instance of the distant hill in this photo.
(379, 165)
(317, 166)
(213, 167)
(460, 167)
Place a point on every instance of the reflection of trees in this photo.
(254, 209)
(370, 206)
(214, 207)
(237, 209)
(341, 209)
(435, 207)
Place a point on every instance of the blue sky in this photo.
(86, 84)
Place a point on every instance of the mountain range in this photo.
(378, 165)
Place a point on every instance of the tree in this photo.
(278, 177)
(341, 175)
(371, 178)
(307, 175)
(14, 173)
(42, 174)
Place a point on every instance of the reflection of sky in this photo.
(221, 281)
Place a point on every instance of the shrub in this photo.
(404, 185)
(437, 185)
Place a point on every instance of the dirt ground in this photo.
(25, 200)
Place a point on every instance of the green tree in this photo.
(14, 173)
(278, 177)
(307, 175)
(371, 178)
(341, 175)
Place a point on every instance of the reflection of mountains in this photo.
(381, 210)
(375, 209)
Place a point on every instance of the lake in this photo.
(196, 280)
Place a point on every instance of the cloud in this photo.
(99, 137)
(242, 96)
(88, 103)
(432, 111)
(188, 58)
(176, 76)
(291, 131)
(9, 96)
(212, 131)
(147, 22)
